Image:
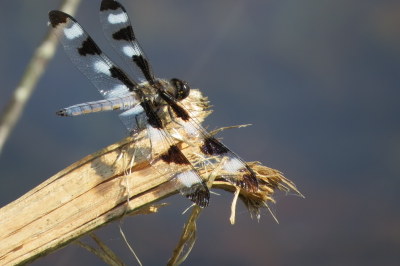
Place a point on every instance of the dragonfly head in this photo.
(181, 89)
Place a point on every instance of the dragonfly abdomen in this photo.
(117, 103)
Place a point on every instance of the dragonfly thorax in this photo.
(175, 88)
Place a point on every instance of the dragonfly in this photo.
(141, 103)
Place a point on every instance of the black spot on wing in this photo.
(109, 5)
(178, 110)
(245, 178)
(200, 195)
(125, 34)
(211, 146)
(57, 17)
(144, 66)
(152, 117)
(89, 47)
(249, 182)
(174, 155)
(121, 76)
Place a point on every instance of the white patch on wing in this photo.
(73, 32)
(118, 18)
(188, 178)
(129, 51)
(156, 136)
(190, 129)
(133, 111)
(117, 91)
(128, 117)
(102, 67)
(233, 165)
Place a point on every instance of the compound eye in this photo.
(182, 89)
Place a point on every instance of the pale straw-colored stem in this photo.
(35, 69)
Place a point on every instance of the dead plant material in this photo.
(105, 186)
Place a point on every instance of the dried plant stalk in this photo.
(36, 67)
(75, 201)
(187, 239)
(100, 188)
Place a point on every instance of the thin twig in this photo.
(129, 245)
(187, 239)
(233, 206)
(103, 251)
(35, 69)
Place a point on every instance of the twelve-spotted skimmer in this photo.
(142, 103)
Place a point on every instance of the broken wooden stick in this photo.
(100, 188)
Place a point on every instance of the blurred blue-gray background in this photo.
(319, 81)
